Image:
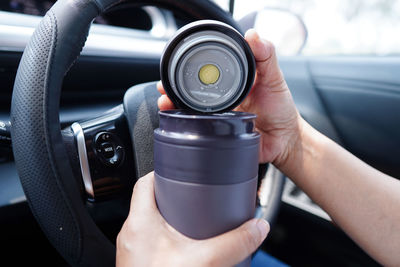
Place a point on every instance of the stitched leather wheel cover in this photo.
(41, 158)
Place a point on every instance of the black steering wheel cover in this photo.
(41, 159)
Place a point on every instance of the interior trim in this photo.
(103, 40)
(83, 159)
(302, 201)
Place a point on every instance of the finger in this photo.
(268, 72)
(160, 88)
(165, 103)
(143, 194)
(234, 246)
(261, 50)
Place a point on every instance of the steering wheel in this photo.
(64, 171)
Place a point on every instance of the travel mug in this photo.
(206, 168)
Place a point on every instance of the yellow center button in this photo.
(209, 74)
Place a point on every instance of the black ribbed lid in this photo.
(198, 26)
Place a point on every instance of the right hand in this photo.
(146, 239)
(278, 120)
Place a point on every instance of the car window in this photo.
(340, 27)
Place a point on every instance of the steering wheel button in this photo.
(108, 150)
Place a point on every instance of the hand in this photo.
(146, 239)
(277, 121)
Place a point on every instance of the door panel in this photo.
(355, 101)
(299, 80)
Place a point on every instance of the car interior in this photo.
(109, 95)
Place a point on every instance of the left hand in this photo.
(278, 121)
(146, 239)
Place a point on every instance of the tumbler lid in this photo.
(207, 67)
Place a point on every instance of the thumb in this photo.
(269, 74)
(234, 246)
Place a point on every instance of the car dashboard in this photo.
(123, 48)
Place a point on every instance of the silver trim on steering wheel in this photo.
(83, 159)
(269, 193)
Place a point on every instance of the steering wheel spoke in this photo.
(103, 155)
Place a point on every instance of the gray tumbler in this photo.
(206, 168)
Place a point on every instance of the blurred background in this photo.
(336, 27)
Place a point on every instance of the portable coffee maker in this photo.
(205, 155)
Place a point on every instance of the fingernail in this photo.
(252, 32)
(259, 229)
(263, 228)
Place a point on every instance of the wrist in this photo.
(293, 155)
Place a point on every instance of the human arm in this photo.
(363, 201)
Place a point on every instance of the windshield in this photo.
(338, 27)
